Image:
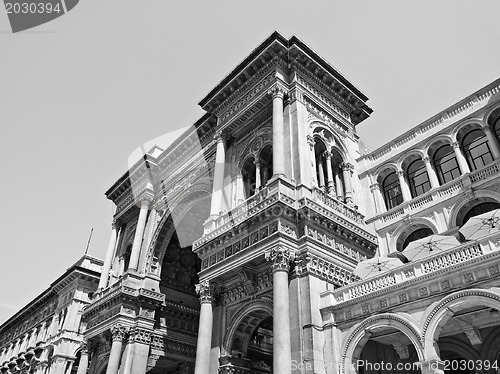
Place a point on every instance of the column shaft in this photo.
(139, 232)
(84, 363)
(433, 179)
(278, 133)
(321, 174)
(404, 186)
(340, 187)
(114, 357)
(347, 173)
(377, 197)
(257, 176)
(462, 162)
(282, 355)
(329, 174)
(493, 142)
(103, 281)
(220, 160)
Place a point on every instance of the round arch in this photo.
(154, 257)
(330, 141)
(465, 127)
(448, 344)
(437, 142)
(493, 111)
(264, 304)
(406, 228)
(410, 156)
(358, 335)
(262, 139)
(459, 210)
(439, 313)
(382, 171)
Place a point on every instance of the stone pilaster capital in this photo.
(85, 347)
(118, 332)
(347, 166)
(206, 291)
(311, 141)
(426, 159)
(115, 225)
(375, 187)
(400, 173)
(295, 95)
(140, 335)
(455, 144)
(280, 258)
(277, 91)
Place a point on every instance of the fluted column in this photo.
(277, 93)
(405, 190)
(139, 233)
(205, 292)
(321, 174)
(433, 179)
(257, 175)
(329, 173)
(117, 335)
(84, 359)
(347, 170)
(280, 258)
(103, 281)
(493, 142)
(218, 186)
(462, 162)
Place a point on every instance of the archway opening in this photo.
(474, 208)
(249, 177)
(387, 350)
(266, 164)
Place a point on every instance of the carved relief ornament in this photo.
(280, 258)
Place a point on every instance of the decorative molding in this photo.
(280, 258)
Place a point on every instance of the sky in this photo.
(80, 93)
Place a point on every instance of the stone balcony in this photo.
(434, 196)
(277, 190)
(459, 267)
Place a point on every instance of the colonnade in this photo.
(335, 185)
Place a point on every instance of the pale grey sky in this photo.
(79, 94)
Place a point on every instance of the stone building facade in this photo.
(232, 249)
(46, 336)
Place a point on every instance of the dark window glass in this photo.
(418, 178)
(446, 164)
(480, 209)
(476, 149)
(392, 191)
(496, 128)
(417, 234)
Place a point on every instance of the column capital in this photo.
(139, 335)
(257, 162)
(280, 258)
(374, 187)
(296, 95)
(118, 332)
(400, 173)
(115, 224)
(426, 159)
(277, 91)
(327, 155)
(220, 136)
(455, 144)
(205, 291)
(347, 166)
(85, 347)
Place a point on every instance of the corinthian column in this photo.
(493, 142)
(103, 281)
(280, 258)
(117, 335)
(462, 162)
(405, 190)
(347, 170)
(220, 160)
(205, 292)
(278, 93)
(139, 232)
(431, 173)
(329, 173)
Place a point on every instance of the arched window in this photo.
(392, 191)
(126, 258)
(446, 164)
(418, 178)
(496, 128)
(477, 150)
(248, 173)
(480, 209)
(266, 164)
(417, 234)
